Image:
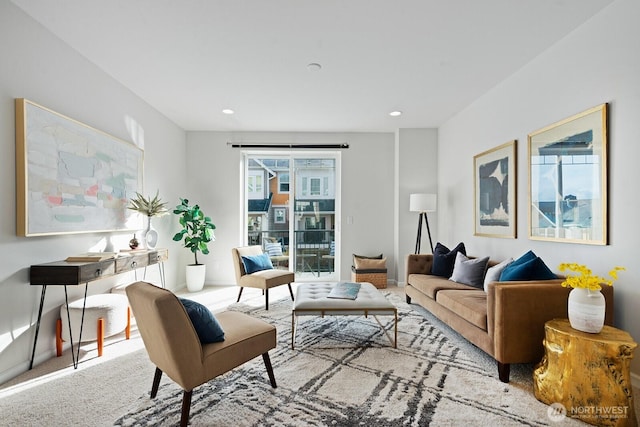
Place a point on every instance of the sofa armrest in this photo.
(517, 312)
(418, 264)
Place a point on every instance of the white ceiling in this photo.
(428, 58)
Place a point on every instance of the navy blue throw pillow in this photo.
(527, 267)
(253, 263)
(524, 258)
(444, 259)
(205, 323)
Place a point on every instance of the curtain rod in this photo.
(334, 146)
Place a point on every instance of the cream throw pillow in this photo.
(493, 273)
(369, 264)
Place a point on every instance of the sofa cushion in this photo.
(469, 271)
(533, 268)
(494, 272)
(444, 259)
(430, 285)
(471, 305)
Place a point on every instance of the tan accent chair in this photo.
(174, 347)
(264, 279)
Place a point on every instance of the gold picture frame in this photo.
(568, 179)
(71, 178)
(495, 177)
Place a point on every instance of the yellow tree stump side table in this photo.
(589, 374)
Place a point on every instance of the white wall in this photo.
(597, 63)
(41, 68)
(417, 172)
(367, 192)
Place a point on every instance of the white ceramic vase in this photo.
(586, 310)
(149, 236)
(195, 277)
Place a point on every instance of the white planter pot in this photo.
(195, 277)
(586, 310)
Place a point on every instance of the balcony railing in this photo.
(312, 248)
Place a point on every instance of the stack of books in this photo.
(345, 290)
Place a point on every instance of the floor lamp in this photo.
(422, 203)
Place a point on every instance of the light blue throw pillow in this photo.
(204, 322)
(253, 263)
(273, 249)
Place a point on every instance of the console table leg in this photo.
(75, 357)
(35, 338)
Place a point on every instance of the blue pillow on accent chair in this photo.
(444, 259)
(204, 322)
(527, 267)
(253, 263)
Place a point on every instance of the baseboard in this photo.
(23, 367)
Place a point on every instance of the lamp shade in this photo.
(422, 202)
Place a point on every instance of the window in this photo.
(280, 216)
(254, 184)
(283, 183)
(315, 186)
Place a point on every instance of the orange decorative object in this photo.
(100, 336)
(127, 331)
(588, 374)
(58, 337)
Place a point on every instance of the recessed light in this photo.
(395, 113)
(314, 66)
(228, 111)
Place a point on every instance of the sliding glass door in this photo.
(291, 207)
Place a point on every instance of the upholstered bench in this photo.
(104, 315)
(312, 300)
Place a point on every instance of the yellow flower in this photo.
(586, 279)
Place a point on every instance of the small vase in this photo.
(586, 310)
(134, 243)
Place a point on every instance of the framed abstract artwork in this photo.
(71, 178)
(568, 179)
(494, 173)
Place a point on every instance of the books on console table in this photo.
(345, 290)
(92, 257)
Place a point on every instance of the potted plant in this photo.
(196, 233)
(149, 207)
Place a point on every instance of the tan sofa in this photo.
(507, 321)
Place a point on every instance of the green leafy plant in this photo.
(197, 229)
(148, 206)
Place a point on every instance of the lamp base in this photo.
(419, 236)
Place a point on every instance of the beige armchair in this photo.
(174, 347)
(264, 279)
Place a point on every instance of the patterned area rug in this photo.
(344, 372)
